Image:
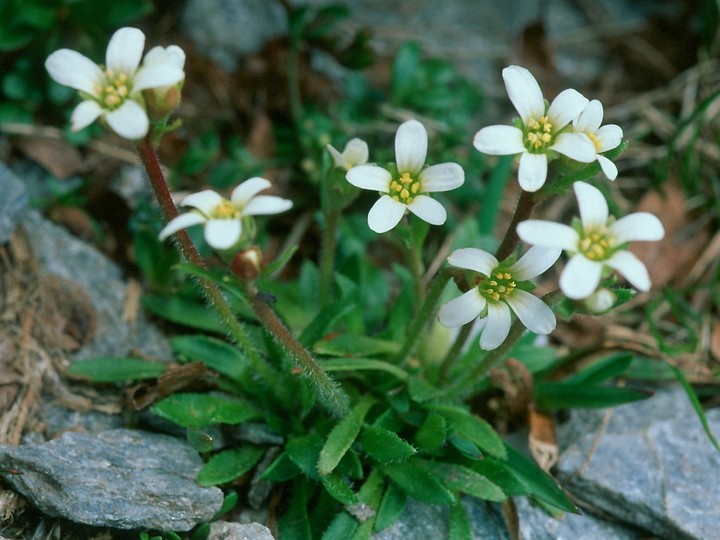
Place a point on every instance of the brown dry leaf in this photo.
(175, 379)
(685, 248)
(715, 341)
(543, 439)
(580, 331)
(55, 155)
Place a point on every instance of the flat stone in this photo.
(120, 478)
(653, 467)
(13, 202)
(223, 530)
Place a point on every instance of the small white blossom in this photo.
(355, 153)
(545, 131)
(600, 301)
(596, 242)
(407, 190)
(604, 138)
(114, 92)
(223, 217)
(496, 291)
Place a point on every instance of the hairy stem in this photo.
(523, 210)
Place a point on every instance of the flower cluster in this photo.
(570, 126)
(117, 92)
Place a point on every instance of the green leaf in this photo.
(472, 428)
(199, 440)
(467, 448)
(421, 390)
(692, 396)
(352, 345)
(199, 410)
(278, 264)
(538, 482)
(323, 322)
(433, 432)
(280, 470)
(342, 436)
(214, 353)
(362, 364)
(602, 370)
(418, 483)
(229, 502)
(553, 396)
(183, 311)
(116, 369)
(342, 527)
(463, 479)
(228, 465)
(391, 508)
(460, 528)
(385, 446)
(294, 524)
(338, 489)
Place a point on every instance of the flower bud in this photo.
(247, 264)
(163, 100)
(600, 301)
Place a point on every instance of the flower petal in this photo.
(385, 214)
(130, 120)
(463, 309)
(524, 92)
(499, 140)
(183, 221)
(356, 153)
(370, 177)
(441, 177)
(336, 155)
(593, 206)
(532, 312)
(609, 137)
(637, 226)
(125, 50)
(533, 171)
(411, 143)
(85, 114)
(428, 209)
(242, 194)
(631, 269)
(265, 205)
(222, 233)
(609, 169)
(473, 259)
(205, 201)
(157, 76)
(70, 68)
(534, 262)
(497, 327)
(172, 55)
(548, 234)
(590, 119)
(565, 108)
(580, 277)
(577, 146)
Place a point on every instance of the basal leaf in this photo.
(228, 465)
(385, 446)
(459, 478)
(352, 345)
(460, 527)
(199, 410)
(469, 426)
(323, 321)
(342, 436)
(391, 507)
(602, 370)
(418, 483)
(553, 396)
(280, 470)
(116, 369)
(183, 311)
(433, 432)
(362, 364)
(214, 353)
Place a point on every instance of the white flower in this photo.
(115, 91)
(596, 242)
(355, 153)
(408, 189)
(223, 217)
(496, 291)
(543, 130)
(600, 301)
(164, 99)
(604, 138)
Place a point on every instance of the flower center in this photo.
(497, 287)
(225, 210)
(596, 244)
(114, 90)
(595, 141)
(404, 189)
(539, 134)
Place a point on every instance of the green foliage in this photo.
(228, 465)
(116, 369)
(200, 410)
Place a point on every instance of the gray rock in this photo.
(120, 478)
(62, 254)
(13, 202)
(222, 530)
(653, 467)
(431, 521)
(228, 29)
